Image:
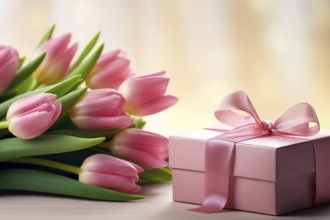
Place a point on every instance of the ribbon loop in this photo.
(295, 121)
(298, 120)
(237, 101)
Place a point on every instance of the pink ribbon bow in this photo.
(299, 120)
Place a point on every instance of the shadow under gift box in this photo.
(271, 175)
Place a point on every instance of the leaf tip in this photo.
(97, 35)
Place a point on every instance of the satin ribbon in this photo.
(299, 120)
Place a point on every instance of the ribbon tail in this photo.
(218, 169)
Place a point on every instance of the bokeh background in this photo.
(278, 51)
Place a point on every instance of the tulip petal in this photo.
(111, 76)
(7, 73)
(30, 125)
(140, 138)
(104, 106)
(28, 103)
(57, 60)
(101, 123)
(7, 53)
(68, 56)
(56, 46)
(103, 163)
(108, 57)
(138, 145)
(140, 90)
(153, 107)
(33, 115)
(145, 94)
(139, 156)
(116, 182)
(100, 109)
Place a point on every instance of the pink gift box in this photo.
(271, 174)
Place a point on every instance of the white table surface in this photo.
(157, 206)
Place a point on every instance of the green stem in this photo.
(3, 124)
(47, 163)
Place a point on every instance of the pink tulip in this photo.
(145, 94)
(33, 115)
(9, 62)
(110, 172)
(100, 109)
(57, 61)
(111, 70)
(141, 146)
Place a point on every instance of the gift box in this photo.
(270, 171)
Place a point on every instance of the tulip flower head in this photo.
(57, 60)
(141, 146)
(110, 172)
(145, 95)
(110, 71)
(9, 62)
(100, 109)
(33, 115)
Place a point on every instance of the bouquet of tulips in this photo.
(73, 126)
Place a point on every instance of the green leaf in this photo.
(47, 36)
(63, 87)
(7, 95)
(21, 62)
(66, 127)
(58, 89)
(69, 100)
(27, 85)
(86, 51)
(40, 181)
(74, 158)
(155, 176)
(85, 68)
(46, 144)
(27, 70)
(85, 133)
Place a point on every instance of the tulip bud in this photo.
(110, 71)
(9, 62)
(110, 172)
(33, 115)
(100, 109)
(145, 94)
(141, 146)
(57, 60)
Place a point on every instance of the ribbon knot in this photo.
(268, 127)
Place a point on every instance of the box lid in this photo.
(270, 158)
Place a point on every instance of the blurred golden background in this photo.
(278, 51)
